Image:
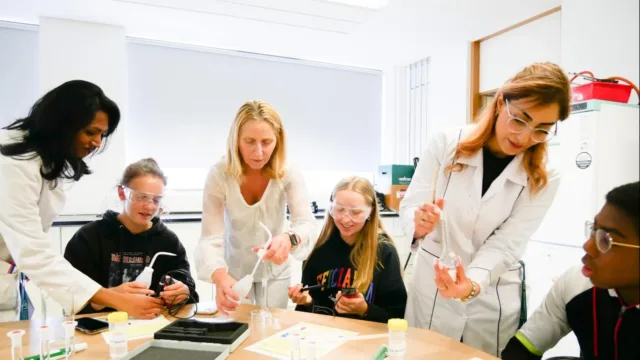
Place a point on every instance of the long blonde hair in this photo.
(545, 84)
(258, 111)
(364, 255)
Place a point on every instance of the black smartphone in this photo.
(349, 292)
(91, 326)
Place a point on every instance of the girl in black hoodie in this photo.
(355, 254)
(113, 251)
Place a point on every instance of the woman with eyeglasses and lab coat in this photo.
(492, 188)
(38, 153)
(251, 185)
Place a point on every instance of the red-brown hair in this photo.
(544, 84)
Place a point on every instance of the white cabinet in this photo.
(545, 263)
(189, 233)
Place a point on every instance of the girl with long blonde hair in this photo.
(252, 184)
(498, 187)
(354, 266)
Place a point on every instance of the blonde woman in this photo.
(354, 266)
(497, 187)
(253, 184)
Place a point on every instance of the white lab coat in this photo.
(489, 233)
(28, 206)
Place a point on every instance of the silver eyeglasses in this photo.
(518, 126)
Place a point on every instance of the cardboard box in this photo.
(396, 194)
(392, 175)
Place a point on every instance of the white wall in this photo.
(93, 52)
(602, 36)
(447, 99)
(503, 56)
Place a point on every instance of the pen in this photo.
(307, 288)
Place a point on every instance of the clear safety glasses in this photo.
(143, 198)
(355, 214)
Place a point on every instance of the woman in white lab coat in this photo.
(37, 154)
(492, 189)
(253, 184)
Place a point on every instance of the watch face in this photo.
(294, 240)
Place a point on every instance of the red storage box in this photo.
(601, 91)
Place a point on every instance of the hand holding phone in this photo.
(349, 293)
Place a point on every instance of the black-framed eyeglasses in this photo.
(604, 241)
(518, 126)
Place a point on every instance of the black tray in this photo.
(218, 333)
(171, 349)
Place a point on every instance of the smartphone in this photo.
(349, 292)
(91, 326)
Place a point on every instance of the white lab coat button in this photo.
(464, 318)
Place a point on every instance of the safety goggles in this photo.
(142, 198)
(604, 241)
(355, 214)
(517, 126)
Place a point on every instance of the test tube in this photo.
(16, 344)
(295, 346)
(45, 337)
(69, 337)
(265, 294)
(311, 350)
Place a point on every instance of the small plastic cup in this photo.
(118, 323)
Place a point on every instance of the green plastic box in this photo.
(395, 174)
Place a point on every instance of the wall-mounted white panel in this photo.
(183, 102)
(18, 71)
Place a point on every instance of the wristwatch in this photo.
(294, 241)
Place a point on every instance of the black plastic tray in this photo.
(218, 333)
(171, 349)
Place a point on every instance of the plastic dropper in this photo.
(243, 286)
(16, 344)
(147, 274)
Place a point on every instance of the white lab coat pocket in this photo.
(8, 291)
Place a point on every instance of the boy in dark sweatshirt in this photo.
(353, 252)
(114, 250)
(600, 301)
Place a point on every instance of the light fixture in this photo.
(369, 4)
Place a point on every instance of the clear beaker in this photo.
(258, 324)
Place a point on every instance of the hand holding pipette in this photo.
(427, 216)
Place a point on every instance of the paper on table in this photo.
(140, 329)
(279, 345)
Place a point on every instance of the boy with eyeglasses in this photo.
(600, 301)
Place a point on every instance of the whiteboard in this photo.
(182, 102)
